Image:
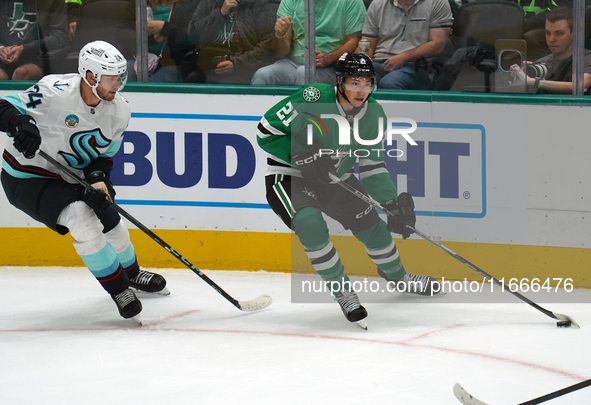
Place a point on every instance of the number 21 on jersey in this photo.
(287, 114)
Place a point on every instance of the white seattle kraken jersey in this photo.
(72, 132)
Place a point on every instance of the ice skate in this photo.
(128, 304)
(414, 284)
(149, 282)
(352, 308)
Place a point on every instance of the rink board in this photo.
(499, 183)
(253, 251)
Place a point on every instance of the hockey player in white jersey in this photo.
(79, 120)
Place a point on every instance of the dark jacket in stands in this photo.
(175, 30)
(49, 35)
(255, 20)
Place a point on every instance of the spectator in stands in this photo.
(171, 33)
(73, 7)
(338, 30)
(234, 38)
(158, 14)
(534, 24)
(33, 35)
(553, 73)
(402, 35)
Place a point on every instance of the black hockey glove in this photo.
(314, 166)
(27, 138)
(404, 214)
(102, 193)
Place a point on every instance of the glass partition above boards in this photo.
(486, 46)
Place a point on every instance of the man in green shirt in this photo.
(338, 30)
(305, 139)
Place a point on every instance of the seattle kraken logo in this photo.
(85, 146)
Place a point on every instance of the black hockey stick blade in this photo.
(555, 315)
(467, 399)
(370, 201)
(255, 304)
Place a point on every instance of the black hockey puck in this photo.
(564, 324)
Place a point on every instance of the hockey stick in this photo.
(467, 399)
(564, 320)
(255, 304)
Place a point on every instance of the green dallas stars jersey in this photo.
(285, 129)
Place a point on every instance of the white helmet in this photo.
(102, 58)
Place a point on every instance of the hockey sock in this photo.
(92, 246)
(105, 266)
(129, 261)
(327, 264)
(381, 249)
(311, 229)
(132, 270)
(118, 237)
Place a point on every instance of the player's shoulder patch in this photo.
(56, 86)
(311, 94)
(60, 85)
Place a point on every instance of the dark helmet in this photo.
(355, 65)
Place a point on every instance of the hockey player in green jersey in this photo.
(79, 120)
(324, 129)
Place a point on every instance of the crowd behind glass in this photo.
(481, 45)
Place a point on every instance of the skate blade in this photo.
(164, 291)
(362, 324)
(137, 319)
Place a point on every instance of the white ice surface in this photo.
(63, 342)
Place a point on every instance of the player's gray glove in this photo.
(102, 194)
(314, 166)
(27, 138)
(404, 214)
